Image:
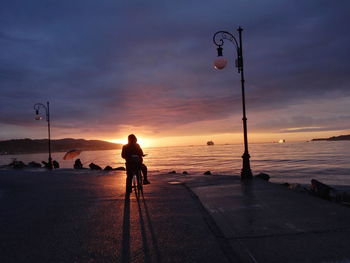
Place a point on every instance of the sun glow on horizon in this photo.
(144, 143)
(228, 138)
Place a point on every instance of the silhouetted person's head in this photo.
(132, 139)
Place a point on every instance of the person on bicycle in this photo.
(129, 151)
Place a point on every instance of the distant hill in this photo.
(334, 138)
(39, 146)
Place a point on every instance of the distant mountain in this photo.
(334, 138)
(39, 146)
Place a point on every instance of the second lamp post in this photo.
(220, 63)
(37, 107)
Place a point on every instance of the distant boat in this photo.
(210, 143)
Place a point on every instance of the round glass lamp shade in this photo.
(220, 63)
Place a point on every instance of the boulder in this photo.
(94, 166)
(172, 172)
(184, 172)
(207, 173)
(321, 190)
(121, 168)
(45, 164)
(344, 198)
(18, 164)
(78, 164)
(55, 164)
(34, 165)
(263, 176)
(108, 168)
(297, 187)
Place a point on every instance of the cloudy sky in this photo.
(110, 68)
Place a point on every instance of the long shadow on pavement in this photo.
(141, 201)
(126, 231)
(143, 231)
(151, 229)
(146, 231)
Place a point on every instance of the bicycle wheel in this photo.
(134, 182)
(139, 181)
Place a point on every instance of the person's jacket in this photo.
(131, 149)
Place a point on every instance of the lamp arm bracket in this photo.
(219, 37)
(37, 107)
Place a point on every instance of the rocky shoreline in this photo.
(21, 165)
(315, 188)
(323, 191)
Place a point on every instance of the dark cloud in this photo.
(105, 65)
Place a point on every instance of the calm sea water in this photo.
(328, 162)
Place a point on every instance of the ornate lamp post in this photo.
(220, 63)
(37, 107)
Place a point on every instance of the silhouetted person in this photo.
(55, 164)
(129, 152)
(78, 164)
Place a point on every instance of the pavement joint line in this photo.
(232, 254)
(235, 246)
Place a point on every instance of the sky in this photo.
(111, 68)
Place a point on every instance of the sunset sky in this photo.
(111, 68)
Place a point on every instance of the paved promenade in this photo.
(66, 216)
(264, 222)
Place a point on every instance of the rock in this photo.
(108, 168)
(172, 172)
(78, 164)
(94, 166)
(184, 172)
(46, 164)
(18, 164)
(321, 190)
(55, 164)
(297, 187)
(324, 191)
(34, 165)
(263, 176)
(207, 173)
(120, 169)
(344, 197)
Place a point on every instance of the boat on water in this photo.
(210, 143)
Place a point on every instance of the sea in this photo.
(296, 162)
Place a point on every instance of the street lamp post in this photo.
(220, 63)
(37, 107)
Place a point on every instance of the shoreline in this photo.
(293, 186)
(63, 151)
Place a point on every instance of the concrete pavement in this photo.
(265, 222)
(84, 216)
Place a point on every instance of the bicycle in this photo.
(137, 180)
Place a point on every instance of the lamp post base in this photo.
(246, 172)
(50, 165)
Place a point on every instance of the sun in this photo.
(142, 141)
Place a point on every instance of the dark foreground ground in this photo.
(69, 216)
(66, 217)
